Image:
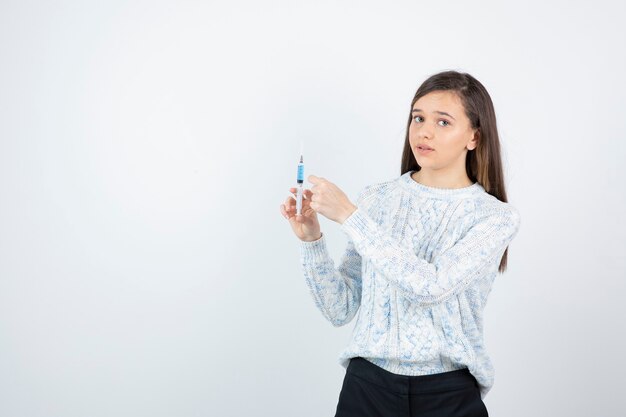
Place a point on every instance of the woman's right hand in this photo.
(306, 226)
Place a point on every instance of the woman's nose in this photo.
(424, 132)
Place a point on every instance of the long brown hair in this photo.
(483, 164)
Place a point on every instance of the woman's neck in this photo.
(451, 180)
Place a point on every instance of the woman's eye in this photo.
(442, 120)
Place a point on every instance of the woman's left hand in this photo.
(329, 201)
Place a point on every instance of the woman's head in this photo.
(465, 138)
(439, 122)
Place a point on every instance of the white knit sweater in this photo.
(418, 269)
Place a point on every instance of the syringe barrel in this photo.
(299, 193)
(300, 173)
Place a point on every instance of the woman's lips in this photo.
(423, 151)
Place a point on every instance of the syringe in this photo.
(299, 185)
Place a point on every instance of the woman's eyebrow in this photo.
(436, 111)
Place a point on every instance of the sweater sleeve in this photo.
(337, 292)
(449, 272)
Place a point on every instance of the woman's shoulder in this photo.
(482, 204)
(489, 206)
(376, 191)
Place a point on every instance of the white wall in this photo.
(145, 148)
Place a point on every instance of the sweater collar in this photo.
(415, 187)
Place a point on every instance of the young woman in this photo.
(423, 252)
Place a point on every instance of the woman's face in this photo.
(439, 122)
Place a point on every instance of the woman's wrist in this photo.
(349, 213)
(315, 239)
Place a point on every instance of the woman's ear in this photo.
(473, 143)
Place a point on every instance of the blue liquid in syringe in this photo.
(299, 187)
(301, 171)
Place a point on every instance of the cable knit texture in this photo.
(418, 268)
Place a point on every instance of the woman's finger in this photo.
(283, 211)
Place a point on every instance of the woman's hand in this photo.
(324, 198)
(306, 226)
(328, 200)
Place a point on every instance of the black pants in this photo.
(371, 391)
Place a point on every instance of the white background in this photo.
(145, 148)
